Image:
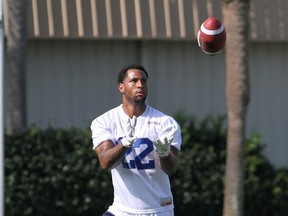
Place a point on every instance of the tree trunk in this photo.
(16, 64)
(236, 21)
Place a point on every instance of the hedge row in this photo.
(56, 172)
(199, 183)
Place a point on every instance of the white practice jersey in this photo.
(140, 186)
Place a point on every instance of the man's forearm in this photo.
(169, 164)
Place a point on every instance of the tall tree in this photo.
(16, 64)
(236, 21)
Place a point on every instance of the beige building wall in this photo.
(71, 82)
(76, 48)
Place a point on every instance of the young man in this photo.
(139, 145)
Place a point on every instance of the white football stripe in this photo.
(211, 32)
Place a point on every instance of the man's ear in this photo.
(121, 87)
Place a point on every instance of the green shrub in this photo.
(56, 172)
(198, 185)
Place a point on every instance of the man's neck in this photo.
(135, 109)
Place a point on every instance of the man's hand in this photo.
(163, 144)
(130, 137)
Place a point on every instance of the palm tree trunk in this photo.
(16, 64)
(236, 21)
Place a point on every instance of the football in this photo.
(211, 36)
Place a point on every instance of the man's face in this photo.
(134, 86)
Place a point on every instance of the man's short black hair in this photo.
(123, 71)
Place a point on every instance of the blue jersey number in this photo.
(138, 162)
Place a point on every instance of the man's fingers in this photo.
(134, 121)
(131, 124)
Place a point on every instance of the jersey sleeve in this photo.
(101, 131)
(169, 125)
(177, 139)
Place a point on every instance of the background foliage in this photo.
(56, 172)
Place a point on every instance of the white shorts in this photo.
(122, 213)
